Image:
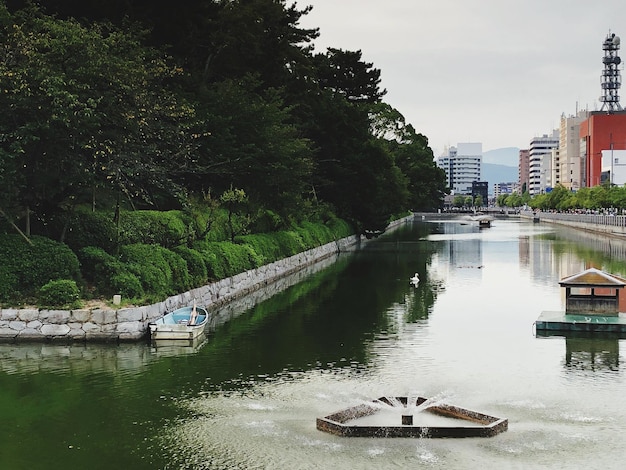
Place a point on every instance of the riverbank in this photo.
(614, 225)
(104, 324)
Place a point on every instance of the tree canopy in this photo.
(137, 101)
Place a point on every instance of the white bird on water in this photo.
(415, 279)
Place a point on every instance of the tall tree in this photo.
(250, 143)
(86, 107)
(426, 182)
(345, 73)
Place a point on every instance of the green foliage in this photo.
(32, 266)
(458, 201)
(597, 197)
(150, 264)
(167, 229)
(181, 280)
(97, 264)
(236, 201)
(126, 284)
(59, 293)
(8, 284)
(88, 228)
(266, 220)
(338, 228)
(108, 274)
(265, 245)
(195, 265)
(218, 231)
(225, 259)
(90, 108)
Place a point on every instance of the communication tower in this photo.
(611, 80)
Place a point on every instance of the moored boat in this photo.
(184, 323)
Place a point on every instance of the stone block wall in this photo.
(131, 324)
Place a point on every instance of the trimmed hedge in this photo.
(28, 267)
(225, 259)
(87, 228)
(160, 271)
(195, 265)
(147, 271)
(59, 293)
(108, 274)
(167, 229)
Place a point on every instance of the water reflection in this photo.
(589, 353)
(356, 329)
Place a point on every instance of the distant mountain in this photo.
(493, 174)
(508, 156)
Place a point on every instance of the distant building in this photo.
(506, 189)
(569, 168)
(523, 171)
(462, 165)
(614, 167)
(601, 131)
(481, 188)
(540, 156)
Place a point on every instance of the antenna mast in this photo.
(611, 79)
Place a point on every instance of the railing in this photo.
(595, 219)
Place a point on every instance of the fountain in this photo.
(449, 420)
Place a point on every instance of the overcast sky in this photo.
(493, 71)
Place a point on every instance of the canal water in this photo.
(247, 397)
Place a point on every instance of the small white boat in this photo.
(484, 221)
(185, 323)
(415, 280)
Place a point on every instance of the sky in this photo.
(499, 72)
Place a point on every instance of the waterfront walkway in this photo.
(607, 224)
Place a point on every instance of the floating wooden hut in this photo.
(592, 303)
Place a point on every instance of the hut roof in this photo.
(593, 277)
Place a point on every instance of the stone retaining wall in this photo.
(131, 324)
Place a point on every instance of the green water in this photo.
(248, 396)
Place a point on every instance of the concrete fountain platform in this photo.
(463, 422)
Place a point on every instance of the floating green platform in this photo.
(561, 321)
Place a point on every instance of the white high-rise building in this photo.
(541, 153)
(462, 165)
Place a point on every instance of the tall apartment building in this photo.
(462, 165)
(570, 168)
(523, 170)
(540, 156)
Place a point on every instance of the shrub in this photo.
(339, 228)
(267, 221)
(92, 261)
(99, 268)
(195, 265)
(62, 292)
(160, 271)
(290, 243)
(87, 228)
(126, 284)
(181, 280)
(265, 246)
(8, 284)
(34, 265)
(219, 231)
(224, 259)
(166, 229)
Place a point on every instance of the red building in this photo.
(601, 131)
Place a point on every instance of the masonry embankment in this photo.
(131, 324)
